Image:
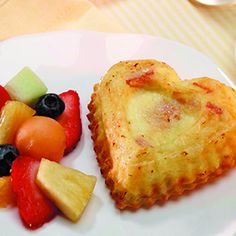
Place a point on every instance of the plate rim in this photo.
(104, 34)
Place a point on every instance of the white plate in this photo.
(77, 60)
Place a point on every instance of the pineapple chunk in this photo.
(13, 114)
(7, 196)
(69, 189)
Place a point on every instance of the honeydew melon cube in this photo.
(26, 87)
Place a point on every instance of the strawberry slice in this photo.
(70, 119)
(34, 208)
(4, 96)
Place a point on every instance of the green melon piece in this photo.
(26, 87)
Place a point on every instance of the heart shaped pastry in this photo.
(156, 136)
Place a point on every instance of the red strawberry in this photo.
(35, 209)
(70, 119)
(4, 96)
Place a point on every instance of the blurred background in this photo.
(207, 28)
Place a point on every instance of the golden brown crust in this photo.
(145, 176)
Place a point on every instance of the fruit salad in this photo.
(37, 129)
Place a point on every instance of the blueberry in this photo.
(50, 105)
(8, 153)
